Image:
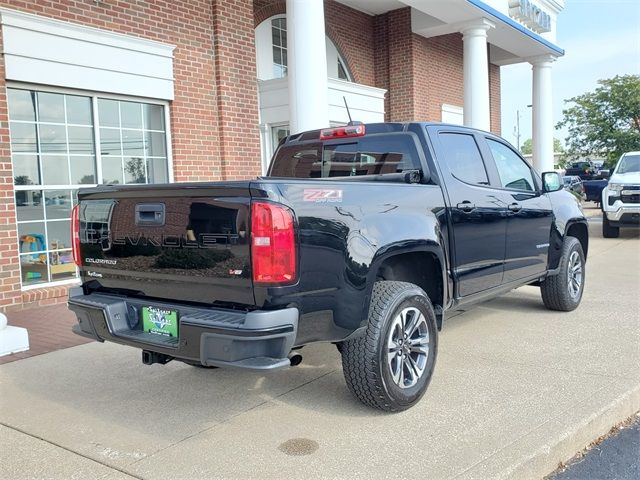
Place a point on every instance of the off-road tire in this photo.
(364, 359)
(607, 230)
(554, 289)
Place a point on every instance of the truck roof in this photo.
(373, 128)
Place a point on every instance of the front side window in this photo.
(59, 144)
(463, 158)
(513, 171)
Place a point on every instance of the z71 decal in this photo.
(322, 195)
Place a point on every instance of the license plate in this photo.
(160, 321)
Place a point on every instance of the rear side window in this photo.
(373, 155)
(463, 158)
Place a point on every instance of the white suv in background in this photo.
(621, 197)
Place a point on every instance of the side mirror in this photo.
(605, 174)
(551, 182)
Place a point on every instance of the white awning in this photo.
(41, 50)
(512, 41)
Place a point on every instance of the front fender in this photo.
(567, 212)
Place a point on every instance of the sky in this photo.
(601, 39)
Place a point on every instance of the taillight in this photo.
(342, 132)
(75, 234)
(273, 247)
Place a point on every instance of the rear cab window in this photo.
(369, 155)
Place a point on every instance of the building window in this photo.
(342, 72)
(279, 45)
(53, 152)
(272, 52)
(278, 132)
(133, 144)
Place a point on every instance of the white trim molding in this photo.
(52, 52)
(452, 114)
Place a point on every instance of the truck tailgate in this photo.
(188, 243)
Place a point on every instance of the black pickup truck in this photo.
(363, 236)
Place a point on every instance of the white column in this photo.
(307, 65)
(265, 146)
(542, 104)
(477, 113)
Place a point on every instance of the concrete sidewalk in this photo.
(516, 390)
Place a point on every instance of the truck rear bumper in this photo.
(259, 340)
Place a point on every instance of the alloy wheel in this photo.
(408, 347)
(574, 278)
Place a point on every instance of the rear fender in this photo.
(437, 292)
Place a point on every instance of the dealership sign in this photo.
(531, 15)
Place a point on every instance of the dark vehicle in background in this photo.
(573, 184)
(593, 189)
(584, 170)
(363, 236)
(593, 179)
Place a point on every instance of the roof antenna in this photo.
(351, 122)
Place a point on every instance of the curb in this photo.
(579, 427)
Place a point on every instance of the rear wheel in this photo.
(390, 366)
(563, 291)
(607, 230)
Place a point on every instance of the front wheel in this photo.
(607, 230)
(563, 291)
(390, 366)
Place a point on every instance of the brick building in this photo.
(152, 91)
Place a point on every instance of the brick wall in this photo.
(401, 65)
(9, 267)
(214, 115)
(443, 74)
(236, 88)
(494, 98)
(381, 57)
(421, 74)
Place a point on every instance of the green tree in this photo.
(605, 122)
(527, 147)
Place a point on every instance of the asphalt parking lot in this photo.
(517, 389)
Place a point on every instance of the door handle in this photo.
(515, 207)
(466, 206)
